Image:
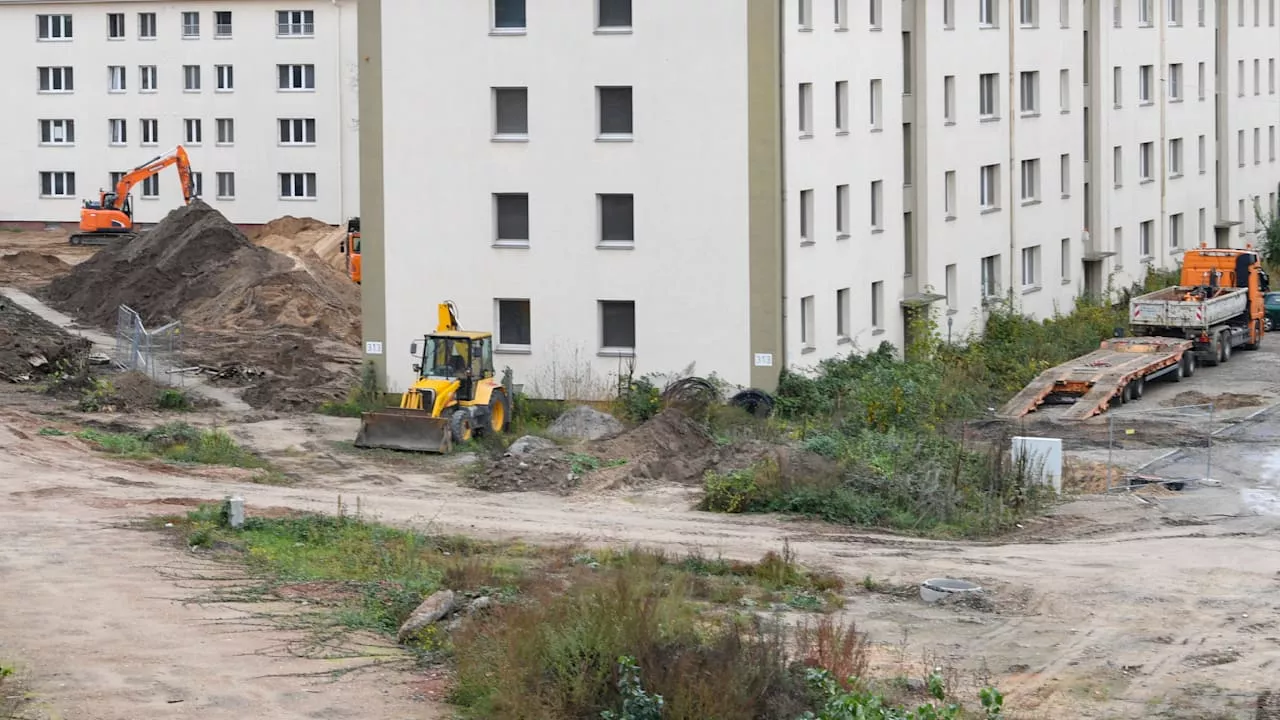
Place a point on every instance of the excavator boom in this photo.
(111, 217)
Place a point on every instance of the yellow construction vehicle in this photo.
(454, 397)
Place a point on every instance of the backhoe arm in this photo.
(176, 156)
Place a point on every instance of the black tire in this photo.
(1189, 364)
(460, 426)
(1180, 371)
(1225, 346)
(499, 413)
(1124, 395)
(1138, 387)
(1266, 324)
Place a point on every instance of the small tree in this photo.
(1268, 234)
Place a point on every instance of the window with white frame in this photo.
(949, 14)
(118, 131)
(615, 15)
(1064, 13)
(295, 23)
(57, 132)
(949, 194)
(56, 79)
(515, 325)
(226, 128)
(804, 14)
(1175, 157)
(1031, 267)
(842, 106)
(1029, 13)
(222, 23)
(1200, 12)
(1117, 166)
(53, 27)
(114, 178)
(1146, 73)
(1239, 78)
(1146, 236)
(1175, 231)
(115, 79)
(1117, 245)
(147, 26)
(1031, 180)
(1117, 86)
(1257, 77)
(1175, 13)
(989, 13)
(226, 80)
(876, 104)
(296, 77)
(618, 327)
(1200, 81)
(877, 305)
(193, 131)
(989, 277)
(151, 187)
(1146, 162)
(226, 185)
(1200, 226)
(805, 211)
(1064, 90)
(989, 187)
(115, 26)
(1271, 75)
(1271, 143)
(1201, 153)
(804, 109)
(842, 14)
(1257, 146)
(147, 78)
(877, 205)
(1117, 17)
(1064, 259)
(190, 25)
(1175, 82)
(875, 18)
(843, 307)
(988, 95)
(950, 289)
(1144, 13)
(197, 183)
(617, 219)
(1240, 148)
(297, 131)
(842, 211)
(149, 128)
(511, 219)
(298, 186)
(949, 98)
(191, 78)
(509, 15)
(57, 184)
(511, 113)
(614, 107)
(1029, 92)
(1064, 175)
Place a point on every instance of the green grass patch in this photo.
(175, 442)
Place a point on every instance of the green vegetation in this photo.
(367, 396)
(175, 442)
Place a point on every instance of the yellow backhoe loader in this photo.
(454, 397)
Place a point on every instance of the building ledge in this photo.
(915, 300)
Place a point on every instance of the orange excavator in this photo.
(110, 218)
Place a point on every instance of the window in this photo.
(1145, 84)
(197, 183)
(1175, 13)
(119, 131)
(1064, 90)
(296, 77)
(1201, 153)
(151, 187)
(1031, 267)
(1029, 13)
(297, 131)
(875, 17)
(1271, 76)
(617, 219)
(191, 78)
(618, 326)
(950, 289)
(1257, 146)
(1175, 82)
(842, 211)
(988, 13)
(989, 187)
(1271, 143)
(1064, 175)
(1201, 226)
(295, 23)
(147, 78)
(150, 128)
(1064, 13)
(908, 71)
(1146, 230)
(1030, 180)
(226, 131)
(115, 78)
(193, 131)
(1146, 161)
(294, 186)
(842, 14)
(949, 14)
(222, 23)
(226, 78)
(1117, 86)
(842, 106)
(877, 305)
(1200, 11)
(1144, 13)
(1200, 81)
(1029, 92)
(990, 276)
(115, 26)
(57, 132)
(511, 216)
(1116, 16)
(147, 26)
(615, 111)
(1175, 157)
(804, 14)
(58, 184)
(949, 99)
(1257, 77)
(806, 322)
(877, 204)
(114, 179)
(190, 24)
(1239, 78)
(877, 104)
(509, 15)
(842, 313)
(1117, 166)
(511, 113)
(1064, 259)
(804, 110)
(806, 216)
(226, 185)
(1175, 230)
(1240, 148)
(56, 79)
(54, 27)
(988, 95)
(514, 325)
(949, 194)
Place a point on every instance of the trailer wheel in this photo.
(1137, 388)
(1189, 364)
(1124, 394)
(1225, 344)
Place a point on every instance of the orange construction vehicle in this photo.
(350, 249)
(110, 218)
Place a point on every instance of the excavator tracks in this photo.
(100, 238)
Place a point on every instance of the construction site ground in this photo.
(1155, 603)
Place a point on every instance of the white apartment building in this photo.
(616, 186)
(262, 94)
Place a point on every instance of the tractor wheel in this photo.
(499, 413)
(460, 425)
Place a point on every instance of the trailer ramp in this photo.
(1090, 383)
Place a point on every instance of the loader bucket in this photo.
(401, 429)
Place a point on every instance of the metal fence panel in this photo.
(154, 353)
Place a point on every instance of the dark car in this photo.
(1272, 304)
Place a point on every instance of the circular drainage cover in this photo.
(934, 589)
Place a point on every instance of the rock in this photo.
(916, 685)
(480, 604)
(436, 607)
(585, 423)
(530, 444)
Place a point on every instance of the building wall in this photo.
(686, 165)
(1252, 43)
(254, 104)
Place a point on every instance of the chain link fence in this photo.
(154, 353)
(1181, 438)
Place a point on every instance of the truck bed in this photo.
(1094, 380)
(1187, 307)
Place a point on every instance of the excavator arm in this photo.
(111, 215)
(176, 156)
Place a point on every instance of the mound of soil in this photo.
(28, 267)
(239, 302)
(32, 348)
(286, 226)
(1225, 401)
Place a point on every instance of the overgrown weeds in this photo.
(175, 442)
(367, 396)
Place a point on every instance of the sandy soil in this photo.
(26, 244)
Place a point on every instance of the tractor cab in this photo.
(455, 355)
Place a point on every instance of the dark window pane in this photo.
(617, 218)
(615, 13)
(512, 111)
(615, 111)
(513, 217)
(508, 13)
(513, 322)
(619, 324)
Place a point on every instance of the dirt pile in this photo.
(304, 237)
(239, 302)
(32, 348)
(27, 268)
(287, 226)
(1225, 401)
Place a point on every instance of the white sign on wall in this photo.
(372, 347)
(764, 359)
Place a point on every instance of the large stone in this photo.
(530, 444)
(435, 608)
(585, 423)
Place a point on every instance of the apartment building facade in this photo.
(262, 95)
(630, 192)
